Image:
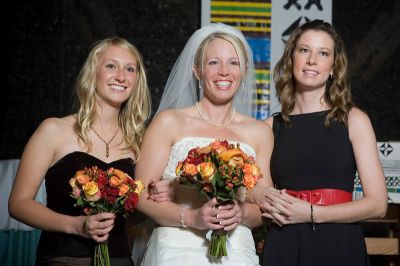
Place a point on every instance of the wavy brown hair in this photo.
(337, 93)
(133, 113)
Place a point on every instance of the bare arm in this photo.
(265, 143)
(35, 161)
(374, 202)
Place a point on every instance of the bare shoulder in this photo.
(360, 126)
(56, 126)
(269, 121)
(358, 119)
(258, 130)
(166, 118)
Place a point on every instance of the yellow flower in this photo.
(206, 170)
(139, 186)
(90, 189)
(236, 161)
(178, 168)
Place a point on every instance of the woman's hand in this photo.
(161, 190)
(230, 215)
(206, 216)
(97, 226)
(285, 209)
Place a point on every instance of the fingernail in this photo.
(217, 216)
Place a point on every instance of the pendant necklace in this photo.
(211, 123)
(105, 142)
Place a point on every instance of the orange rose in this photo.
(82, 179)
(190, 169)
(121, 175)
(228, 154)
(247, 168)
(114, 181)
(206, 170)
(122, 189)
(248, 181)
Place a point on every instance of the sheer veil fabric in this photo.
(182, 90)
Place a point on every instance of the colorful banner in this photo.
(253, 18)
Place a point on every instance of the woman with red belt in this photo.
(321, 140)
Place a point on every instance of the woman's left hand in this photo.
(286, 209)
(230, 215)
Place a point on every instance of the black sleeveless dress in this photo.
(55, 244)
(308, 156)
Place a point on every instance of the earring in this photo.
(243, 86)
(331, 76)
(199, 85)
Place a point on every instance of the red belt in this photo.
(323, 197)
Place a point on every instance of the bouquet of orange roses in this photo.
(218, 170)
(97, 190)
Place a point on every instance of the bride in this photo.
(208, 96)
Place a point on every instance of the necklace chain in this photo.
(105, 142)
(211, 123)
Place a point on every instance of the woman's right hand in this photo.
(161, 190)
(97, 226)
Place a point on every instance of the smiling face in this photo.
(313, 59)
(116, 74)
(220, 75)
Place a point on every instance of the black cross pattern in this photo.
(307, 6)
(386, 149)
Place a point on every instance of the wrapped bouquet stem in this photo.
(218, 170)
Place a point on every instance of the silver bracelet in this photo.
(182, 217)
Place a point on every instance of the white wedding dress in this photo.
(174, 246)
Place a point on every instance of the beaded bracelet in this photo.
(182, 217)
(312, 218)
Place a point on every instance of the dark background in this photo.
(48, 41)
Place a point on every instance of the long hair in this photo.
(133, 113)
(337, 93)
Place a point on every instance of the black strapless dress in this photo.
(55, 244)
(309, 156)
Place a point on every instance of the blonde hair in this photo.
(133, 113)
(337, 94)
(235, 41)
